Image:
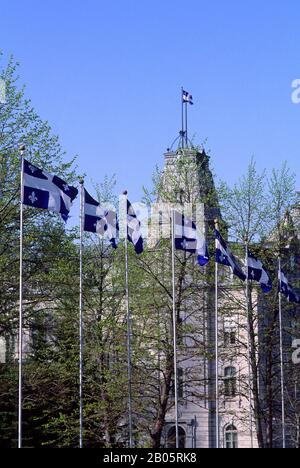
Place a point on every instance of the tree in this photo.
(44, 237)
(254, 210)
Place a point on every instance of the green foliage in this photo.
(256, 211)
(50, 266)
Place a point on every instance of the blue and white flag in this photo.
(43, 190)
(286, 289)
(189, 239)
(224, 256)
(257, 272)
(134, 230)
(100, 220)
(187, 97)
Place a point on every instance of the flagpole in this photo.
(248, 349)
(186, 124)
(81, 315)
(175, 332)
(129, 359)
(20, 403)
(281, 361)
(217, 345)
(182, 119)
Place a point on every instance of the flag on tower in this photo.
(189, 239)
(187, 97)
(99, 220)
(257, 272)
(286, 289)
(134, 233)
(224, 256)
(43, 190)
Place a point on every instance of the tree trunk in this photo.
(162, 410)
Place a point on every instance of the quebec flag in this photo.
(189, 239)
(257, 272)
(286, 289)
(43, 190)
(99, 220)
(134, 232)
(224, 256)
(187, 97)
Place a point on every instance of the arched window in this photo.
(231, 437)
(230, 382)
(172, 438)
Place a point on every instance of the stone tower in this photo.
(187, 179)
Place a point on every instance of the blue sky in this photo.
(107, 76)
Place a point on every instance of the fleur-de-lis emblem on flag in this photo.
(32, 169)
(66, 188)
(33, 198)
(184, 244)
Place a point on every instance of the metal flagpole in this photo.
(22, 151)
(182, 120)
(248, 351)
(217, 346)
(81, 315)
(281, 361)
(186, 124)
(175, 332)
(129, 363)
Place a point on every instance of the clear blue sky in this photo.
(107, 76)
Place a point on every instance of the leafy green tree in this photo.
(45, 239)
(255, 210)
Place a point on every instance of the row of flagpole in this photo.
(129, 363)
(186, 99)
(81, 327)
(81, 322)
(129, 332)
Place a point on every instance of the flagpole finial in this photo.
(125, 192)
(22, 149)
(81, 180)
(216, 221)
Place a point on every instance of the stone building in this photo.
(187, 180)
